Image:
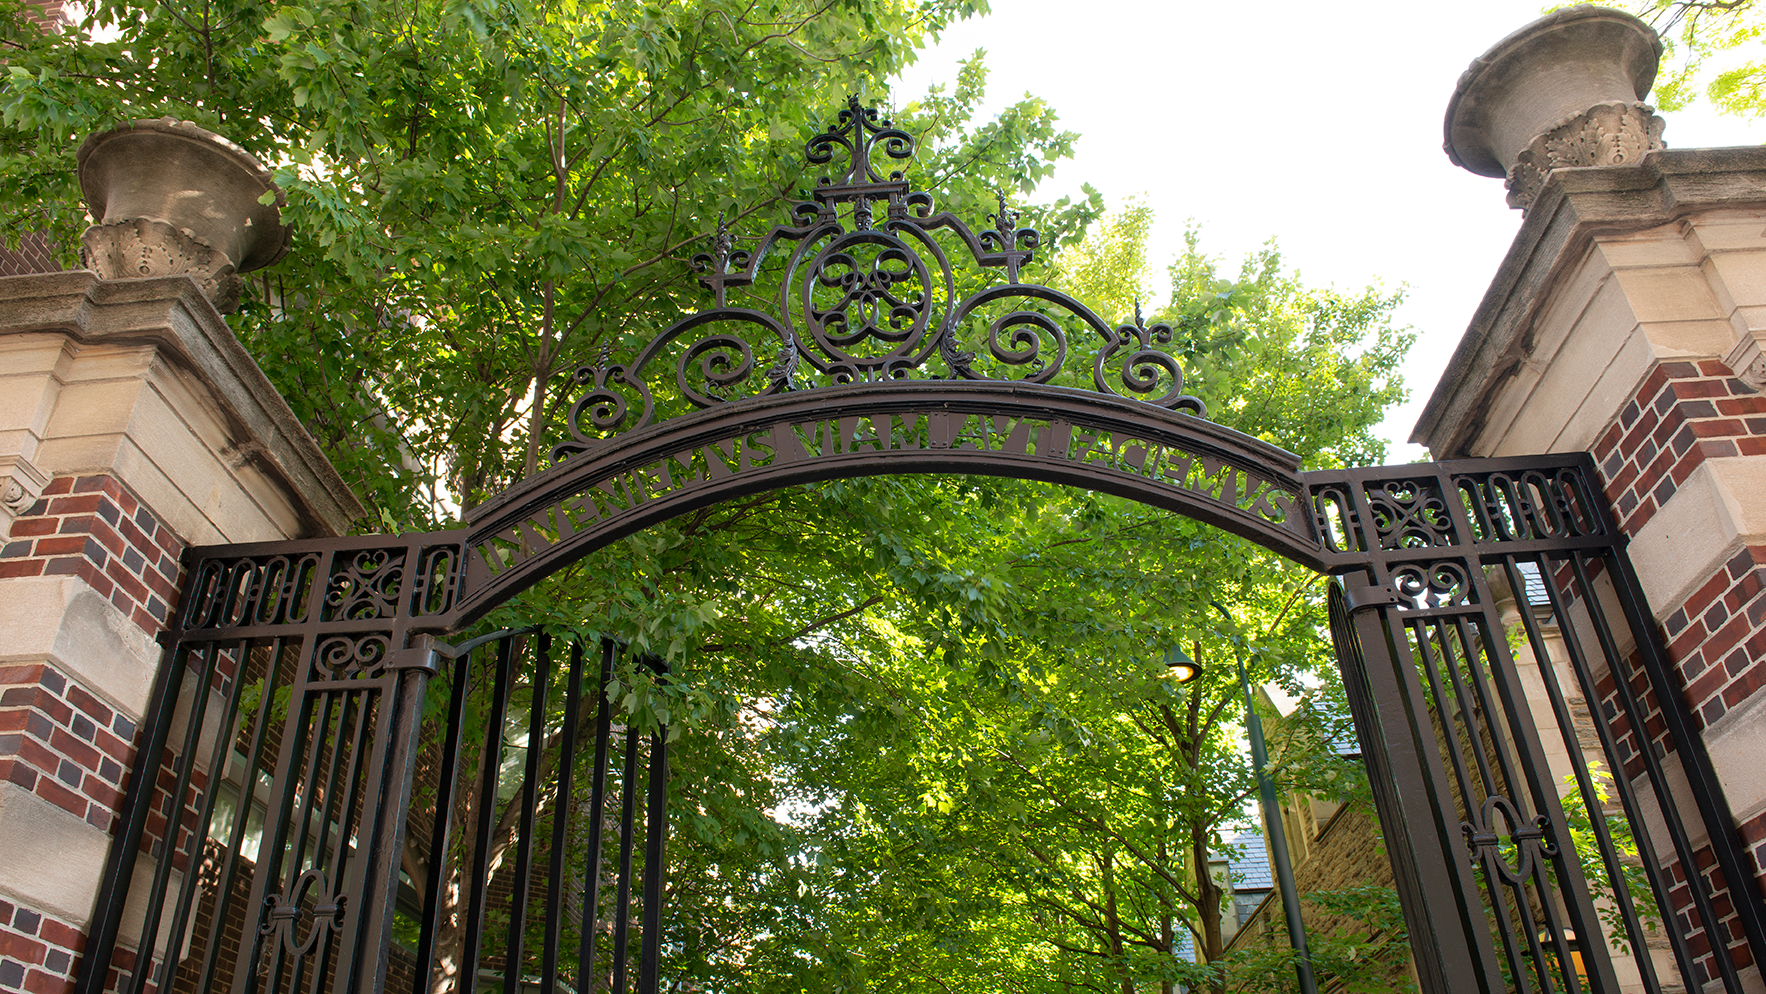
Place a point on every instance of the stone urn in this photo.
(169, 198)
(1564, 91)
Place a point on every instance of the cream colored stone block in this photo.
(53, 859)
(1739, 276)
(1720, 507)
(62, 620)
(1565, 309)
(1612, 390)
(88, 363)
(1735, 748)
(26, 401)
(1689, 339)
(1716, 231)
(1748, 319)
(102, 407)
(170, 500)
(1655, 247)
(80, 454)
(31, 354)
(1678, 294)
(1566, 375)
(1736, 742)
(40, 835)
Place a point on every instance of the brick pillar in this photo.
(132, 425)
(1625, 321)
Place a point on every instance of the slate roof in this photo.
(1250, 871)
(1535, 584)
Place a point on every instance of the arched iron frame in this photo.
(1433, 681)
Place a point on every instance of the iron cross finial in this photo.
(714, 266)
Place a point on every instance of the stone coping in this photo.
(1575, 206)
(171, 314)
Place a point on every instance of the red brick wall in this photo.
(57, 739)
(1683, 414)
(63, 744)
(33, 255)
(38, 952)
(92, 528)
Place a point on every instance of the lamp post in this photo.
(1185, 669)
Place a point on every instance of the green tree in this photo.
(1712, 50)
(921, 736)
(484, 195)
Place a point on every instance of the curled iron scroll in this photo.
(870, 300)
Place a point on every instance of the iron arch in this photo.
(1030, 431)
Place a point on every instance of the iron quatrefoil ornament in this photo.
(867, 294)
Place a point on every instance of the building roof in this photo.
(1249, 870)
(1535, 584)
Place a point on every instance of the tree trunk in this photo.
(1209, 895)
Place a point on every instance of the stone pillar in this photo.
(1626, 320)
(132, 426)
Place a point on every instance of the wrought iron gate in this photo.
(1457, 754)
(287, 824)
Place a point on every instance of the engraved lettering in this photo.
(908, 432)
(757, 449)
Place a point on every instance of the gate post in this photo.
(132, 425)
(1421, 827)
(1627, 321)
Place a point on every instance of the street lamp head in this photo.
(1180, 667)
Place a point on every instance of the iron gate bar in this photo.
(1439, 899)
(1591, 802)
(1668, 702)
(248, 780)
(555, 860)
(655, 834)
(597, 813)
(441, 832)
(622, 900)
(174, 823)
(513, 959)
(487, 793)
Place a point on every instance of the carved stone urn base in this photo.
(1610, 134)
(142, 247)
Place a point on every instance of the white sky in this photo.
(1316, 123)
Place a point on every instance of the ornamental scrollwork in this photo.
(1410, 514)
(282, 917)
(867, 293)
(365, 585)
(1528, 840)
(351, 657)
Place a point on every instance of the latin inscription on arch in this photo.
(1234, 489)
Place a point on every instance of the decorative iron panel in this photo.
(1442, 681)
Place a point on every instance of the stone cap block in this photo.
(172, 315)
(1574, 208)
